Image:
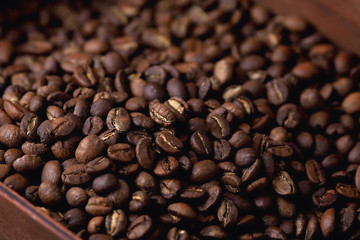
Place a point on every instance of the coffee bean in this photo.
(200, 143)
(274, 233)
(76, 197)
(139, 227)
(288, 115)
(121, 152)
(86, 150)
(27, 163)
(239, 139)
(4, 171)
(75, 175)
(75, 218)
(175, 233)
(283, 184)
(161, 114)
(349, 104)
(277, 92)
(16, 182)
(97, 206)
(327, 222)
(92, 125)
(219, 127)
(104, 183)
(252, 172)
(227, 213)
(169, 143)
(145, 153)
(169, 187)
(347, 190)
(115, 222)
(10, 135)
(28, 126)
(222, 150)
(245, 157)
(119, 119)
(204, 171)
(49, 193)
(120, 196)
(166, 167)
(182, 210)
(34, 148)
(51, 172)
(314, 172)
(139, 201)
(95, 225)
(110, 137)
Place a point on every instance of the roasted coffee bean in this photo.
(347, 190)
(10, 135)
(139, 200)
(121, 152)
(274, 233)
(75, 175)
(115, 222)
(200, 143)
(92, 125)
(175, 233)
(76, 197)
(182, 210)
(139, 227)
(161, 114)
(169, 142)
(245, 157)
(98, 165)
(28, 126)
(145, 153)
(34, 148)
(227, 213)
(347, 215)
(222, 150)
(95, 225)
(86, 150)
(16, 182)
(166, 167)
(204, 171)
(75, 218)
(97, 206)
(32, 194)
(327, 222)
(283, 184)
(64, 149)
(51, 172)
(49, 193)
(27, 163)
(169, 187)
(252, 172)
(240, 139)
(4, 171)
(146, 182)
(119, 119)
(315, 172)
(120, 196)
(110, 137)
(104, 183)
(219, 127)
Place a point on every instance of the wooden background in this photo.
(338, 20)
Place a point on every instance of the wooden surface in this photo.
(338, 20)
(19, 220)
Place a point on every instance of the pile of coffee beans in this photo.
(179, 120)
